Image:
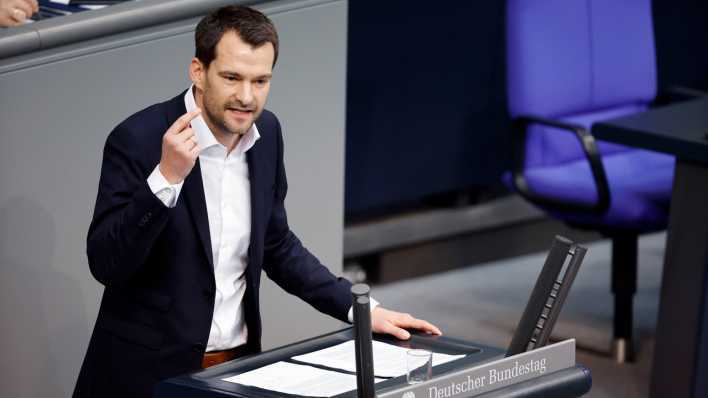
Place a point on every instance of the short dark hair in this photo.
(251, 25)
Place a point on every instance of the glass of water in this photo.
(419, 364)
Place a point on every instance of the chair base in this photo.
(623, 350)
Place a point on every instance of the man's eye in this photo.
(230, 78)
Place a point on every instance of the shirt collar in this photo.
(206, 139)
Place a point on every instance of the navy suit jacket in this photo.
(156, 262)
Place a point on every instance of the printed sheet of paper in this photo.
(291, 378)
(389, 360)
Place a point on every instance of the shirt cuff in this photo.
(372, 304)
(166, 192)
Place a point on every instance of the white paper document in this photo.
(291, 378)
(389, 360)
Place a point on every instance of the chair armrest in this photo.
(519, 129)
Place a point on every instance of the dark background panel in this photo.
(426, 96)
(681, 34)
(425, 100)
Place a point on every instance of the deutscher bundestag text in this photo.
(492, 377)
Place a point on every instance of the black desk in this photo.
(680, 367)
(571, 382)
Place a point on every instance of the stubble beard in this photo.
(218, 119)
(216, 113)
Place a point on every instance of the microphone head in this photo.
(360, 289)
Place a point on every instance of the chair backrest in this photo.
(577, 60)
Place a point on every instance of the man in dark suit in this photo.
(190, 209)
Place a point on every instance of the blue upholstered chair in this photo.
(571, 64)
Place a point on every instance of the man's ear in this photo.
(197, 73)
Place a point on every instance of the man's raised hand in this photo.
(179, 149)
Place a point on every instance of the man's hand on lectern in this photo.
(394, 323)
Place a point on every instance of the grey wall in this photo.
(56, 109)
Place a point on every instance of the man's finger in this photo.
(394, 330)
(409, 322)
(8, 21)
(190, 144)
(18, 15)
(183, 121)
(386, 325)
(426, 327)
(185, 135)
(24, 7)
(194, 152)
(192, 139)
(34, 4)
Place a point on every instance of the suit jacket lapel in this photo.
(193, 191)
(253, 159)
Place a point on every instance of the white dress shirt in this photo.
(228, 201)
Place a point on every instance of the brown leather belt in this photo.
(217, 357)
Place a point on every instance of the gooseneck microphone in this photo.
(362, 342)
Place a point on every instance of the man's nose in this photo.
(244, 94)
